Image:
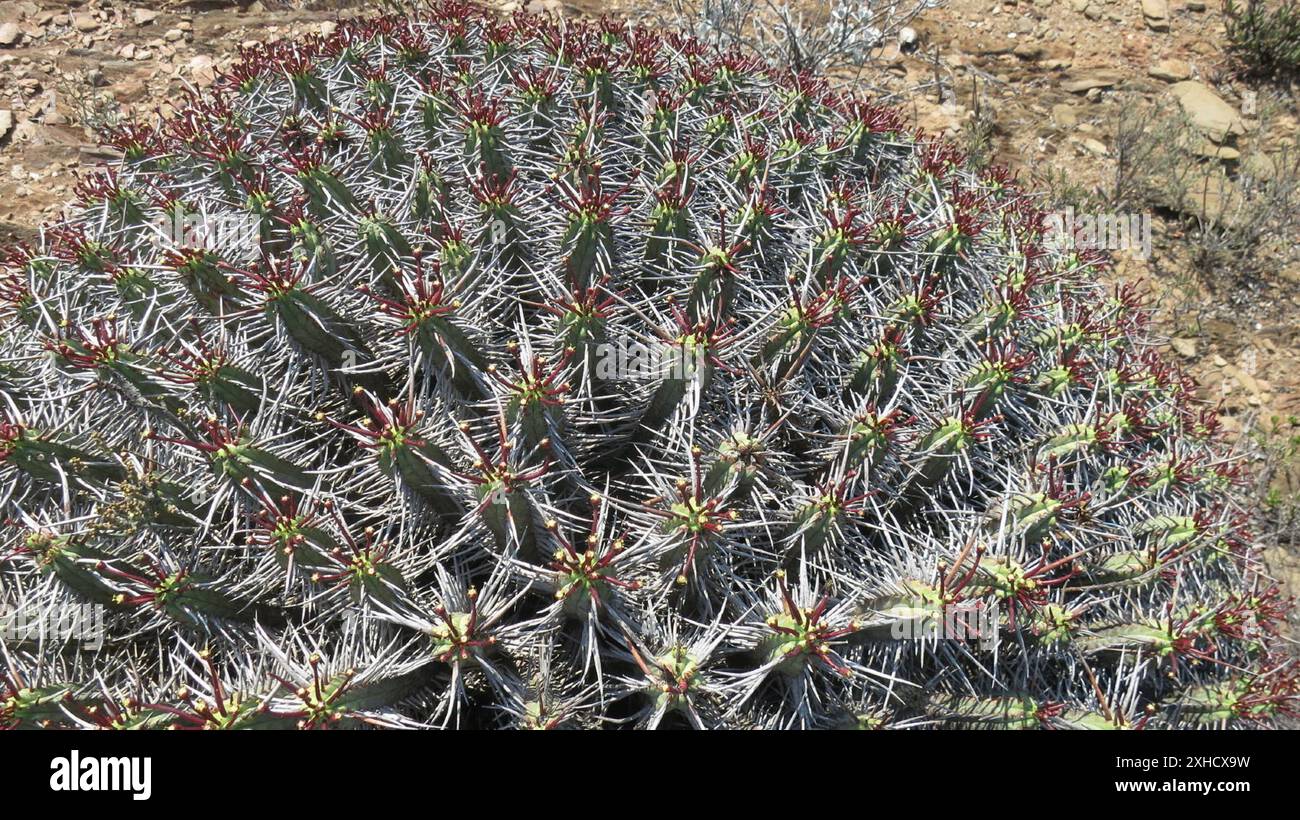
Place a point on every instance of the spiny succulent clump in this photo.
(577, 374)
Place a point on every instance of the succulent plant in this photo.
(578, 374)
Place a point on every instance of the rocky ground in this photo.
(1054, 89)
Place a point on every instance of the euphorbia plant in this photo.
(389, 462)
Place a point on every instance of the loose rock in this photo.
(9, 34)
(85, 23)
(1091, 145)
(1088, 80)
(1184, 347)
(1156, 14)
(1064, 115)
(1210, 150)
(202, 71)
(1212, 197)
(906, 39)
(1171, 70)
(1207, 110)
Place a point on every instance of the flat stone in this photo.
(940, 119)
(1214, 197)
(1184, 347)
(1243, 378)
(1064, 115)
(1156, 14)
(6, 122)
(130, 90)
(173, 35)
(1092, 145)
(1030, 51)
(1171, 70)
(1078, 83)
(1210, 150)
(144, 17)
(202, 71)
(1207, 110)
(1262, 166)
(9, 34)
(984, 46)
(85, 23)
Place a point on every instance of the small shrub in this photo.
(1264, 36)
(820, 35)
